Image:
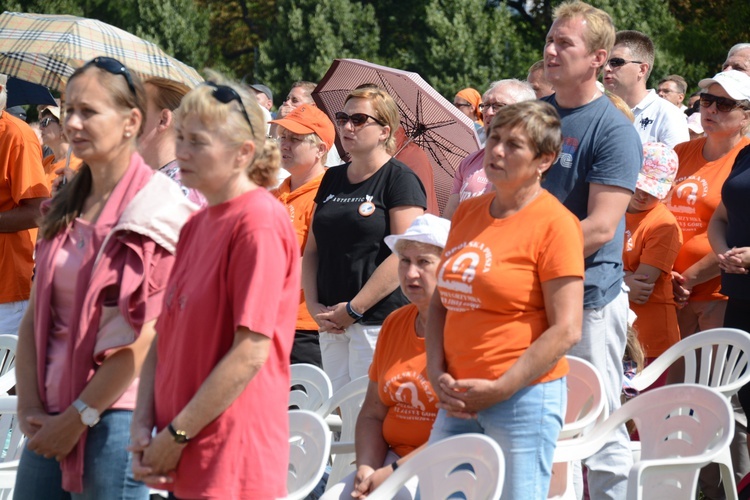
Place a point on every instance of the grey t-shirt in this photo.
(600, 146)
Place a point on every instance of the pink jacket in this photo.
(128, 263)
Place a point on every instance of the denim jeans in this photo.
(107, 471)
(526, 427)
(347, 356)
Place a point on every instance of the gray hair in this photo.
(519, 90)
(737, 47)
(4, 92)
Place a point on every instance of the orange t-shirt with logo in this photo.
(490, 281)
(300, 204)
(654, 238)
(696, 195)
(399, 367)
(21, 177)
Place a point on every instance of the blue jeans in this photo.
(526, 427)
(107, 469)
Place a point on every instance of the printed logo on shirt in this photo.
(458, 272)
(645, 122)
(329, 198)
(629, 244)
(404, 390)
(569, 149)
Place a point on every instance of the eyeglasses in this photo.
(667, 91)
(495, 106)
(723, 104)
(44, 123)
(115, 67)
(226, 94)
(617, 62)
(357, 119)
(462, 105)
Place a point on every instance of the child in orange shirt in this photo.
(652, 241)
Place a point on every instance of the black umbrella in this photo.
(21, 92)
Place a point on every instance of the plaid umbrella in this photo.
(46, 49)
(429, 120)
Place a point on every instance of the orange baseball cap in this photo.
(308, 119)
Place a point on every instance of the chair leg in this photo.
(727, 474)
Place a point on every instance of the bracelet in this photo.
(394, 465)
(352, 313)
(180, 437)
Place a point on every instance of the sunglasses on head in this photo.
(723, 104)
(226, 94)
(44, 123)
(357, 119)
(616, 62)
(114, 67)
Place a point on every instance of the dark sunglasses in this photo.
(357, 119)
(723, 104)
(114, 67)
(226, 94)
(44, 123)
(617, 62)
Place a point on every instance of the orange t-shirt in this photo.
(51, 166)
(399, 367)
(490, 281)
(21, 177)
(696, 195)
(654, 238)
(300, 204)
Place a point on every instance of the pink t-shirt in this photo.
(237, 264)
(470, 180)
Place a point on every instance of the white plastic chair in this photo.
(682, 427)
(708, 362)
(316, 384)
(8, 345)
(349, 400)
(586, 407)
(435, 467)
(14, 439)
(309, 447)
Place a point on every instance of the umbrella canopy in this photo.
(21, 92)
(46, 49)
(429, 120)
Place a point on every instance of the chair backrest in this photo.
(586, 401)
(682, 427)
(468, 466)
(8, 344)
(316, 387)
(715, 358)
(309, 446)
(12, 438)
(349, 401)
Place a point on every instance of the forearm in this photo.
(224, 384)
(25, 367)
(310, 277)
(25, 216)
(144, 409)
(369, 444)
(595, 236)
(717, 235)
(434, 338)
(451, 206)
(705, 269)
(382, 282)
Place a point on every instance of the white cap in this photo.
(426, 228)
(735, 83)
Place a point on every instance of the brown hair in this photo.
(228, 121)
(168, 94)
(384, 107)
(600, 30)
(639, 44)
(538, 119)
(67, 204)
(678, 81)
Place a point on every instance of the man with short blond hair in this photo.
(542, 88)
(594, 177)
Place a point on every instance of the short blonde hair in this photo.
(538, 119)
(228, 121)
(385, 110)
(600, 30)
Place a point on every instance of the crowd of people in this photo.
(168, 252)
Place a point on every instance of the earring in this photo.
(539, 175)
(127, 134)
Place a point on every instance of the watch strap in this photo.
(180, 437)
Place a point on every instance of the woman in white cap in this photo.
(399, 407)
(705, 164)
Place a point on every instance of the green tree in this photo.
(310, 34)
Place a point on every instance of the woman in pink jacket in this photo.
(104, 254)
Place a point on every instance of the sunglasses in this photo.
(114, 67)
(357, 119)
(723, 104)
(462, 105)
(226, 94)
(44, 123)
(617, 62)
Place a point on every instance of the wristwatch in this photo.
(89, 415)
(180, 437)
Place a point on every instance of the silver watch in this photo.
(89, 415)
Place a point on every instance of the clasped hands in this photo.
(735, 260)
(154, 459)
(465, 398)
(332, 319)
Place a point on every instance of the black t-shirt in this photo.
(734, 194)
(350, 224)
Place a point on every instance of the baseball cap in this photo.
(259, 87)
(426, 228)
(659, 169)
(308, 119)
(55, 110)
(735, 83)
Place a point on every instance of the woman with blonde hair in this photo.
(349, 273)
(227, 327)
(105, 250)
